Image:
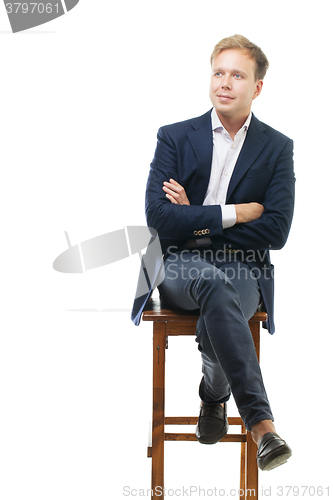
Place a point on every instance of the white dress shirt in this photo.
(225, 154)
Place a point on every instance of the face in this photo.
(233, 86)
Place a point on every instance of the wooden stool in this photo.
(167, 322)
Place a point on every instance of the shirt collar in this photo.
(217, 125)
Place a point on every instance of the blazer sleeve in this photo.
(171, 221)
(270, 232)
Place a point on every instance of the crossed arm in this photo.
(245, 212)
(262, 224)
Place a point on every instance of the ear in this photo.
(258, 89)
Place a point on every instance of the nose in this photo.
(226, 82)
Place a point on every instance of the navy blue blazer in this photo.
(263, 173)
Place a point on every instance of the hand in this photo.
(247, 212)
(175, 193)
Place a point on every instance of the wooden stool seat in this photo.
(169, 322)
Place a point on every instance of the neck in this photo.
(232, 124)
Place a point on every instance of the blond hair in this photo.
(243, 44)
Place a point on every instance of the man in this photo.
(220, 195)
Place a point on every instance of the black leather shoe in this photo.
(272, 451)
(212, 424)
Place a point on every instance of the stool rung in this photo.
(231, 438)
(169, 436)
(194, 421)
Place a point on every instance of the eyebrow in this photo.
(237, 71)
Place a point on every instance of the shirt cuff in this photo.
(228, 216)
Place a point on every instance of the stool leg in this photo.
(255, 330)
(252, 480)
(242, 484)
(157, 476)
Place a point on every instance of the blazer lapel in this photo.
(254, 143)
(201, 139)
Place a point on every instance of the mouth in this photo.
(223, 97)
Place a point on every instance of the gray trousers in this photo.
(227, 294)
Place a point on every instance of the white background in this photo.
(81, 101)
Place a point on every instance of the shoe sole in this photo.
(274, 462)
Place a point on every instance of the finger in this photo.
(172, 199)
(175, 187)
(170, 191)
(172, 181)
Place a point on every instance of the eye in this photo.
(218, 73)
(237, 76)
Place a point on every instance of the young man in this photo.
(220, 195)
